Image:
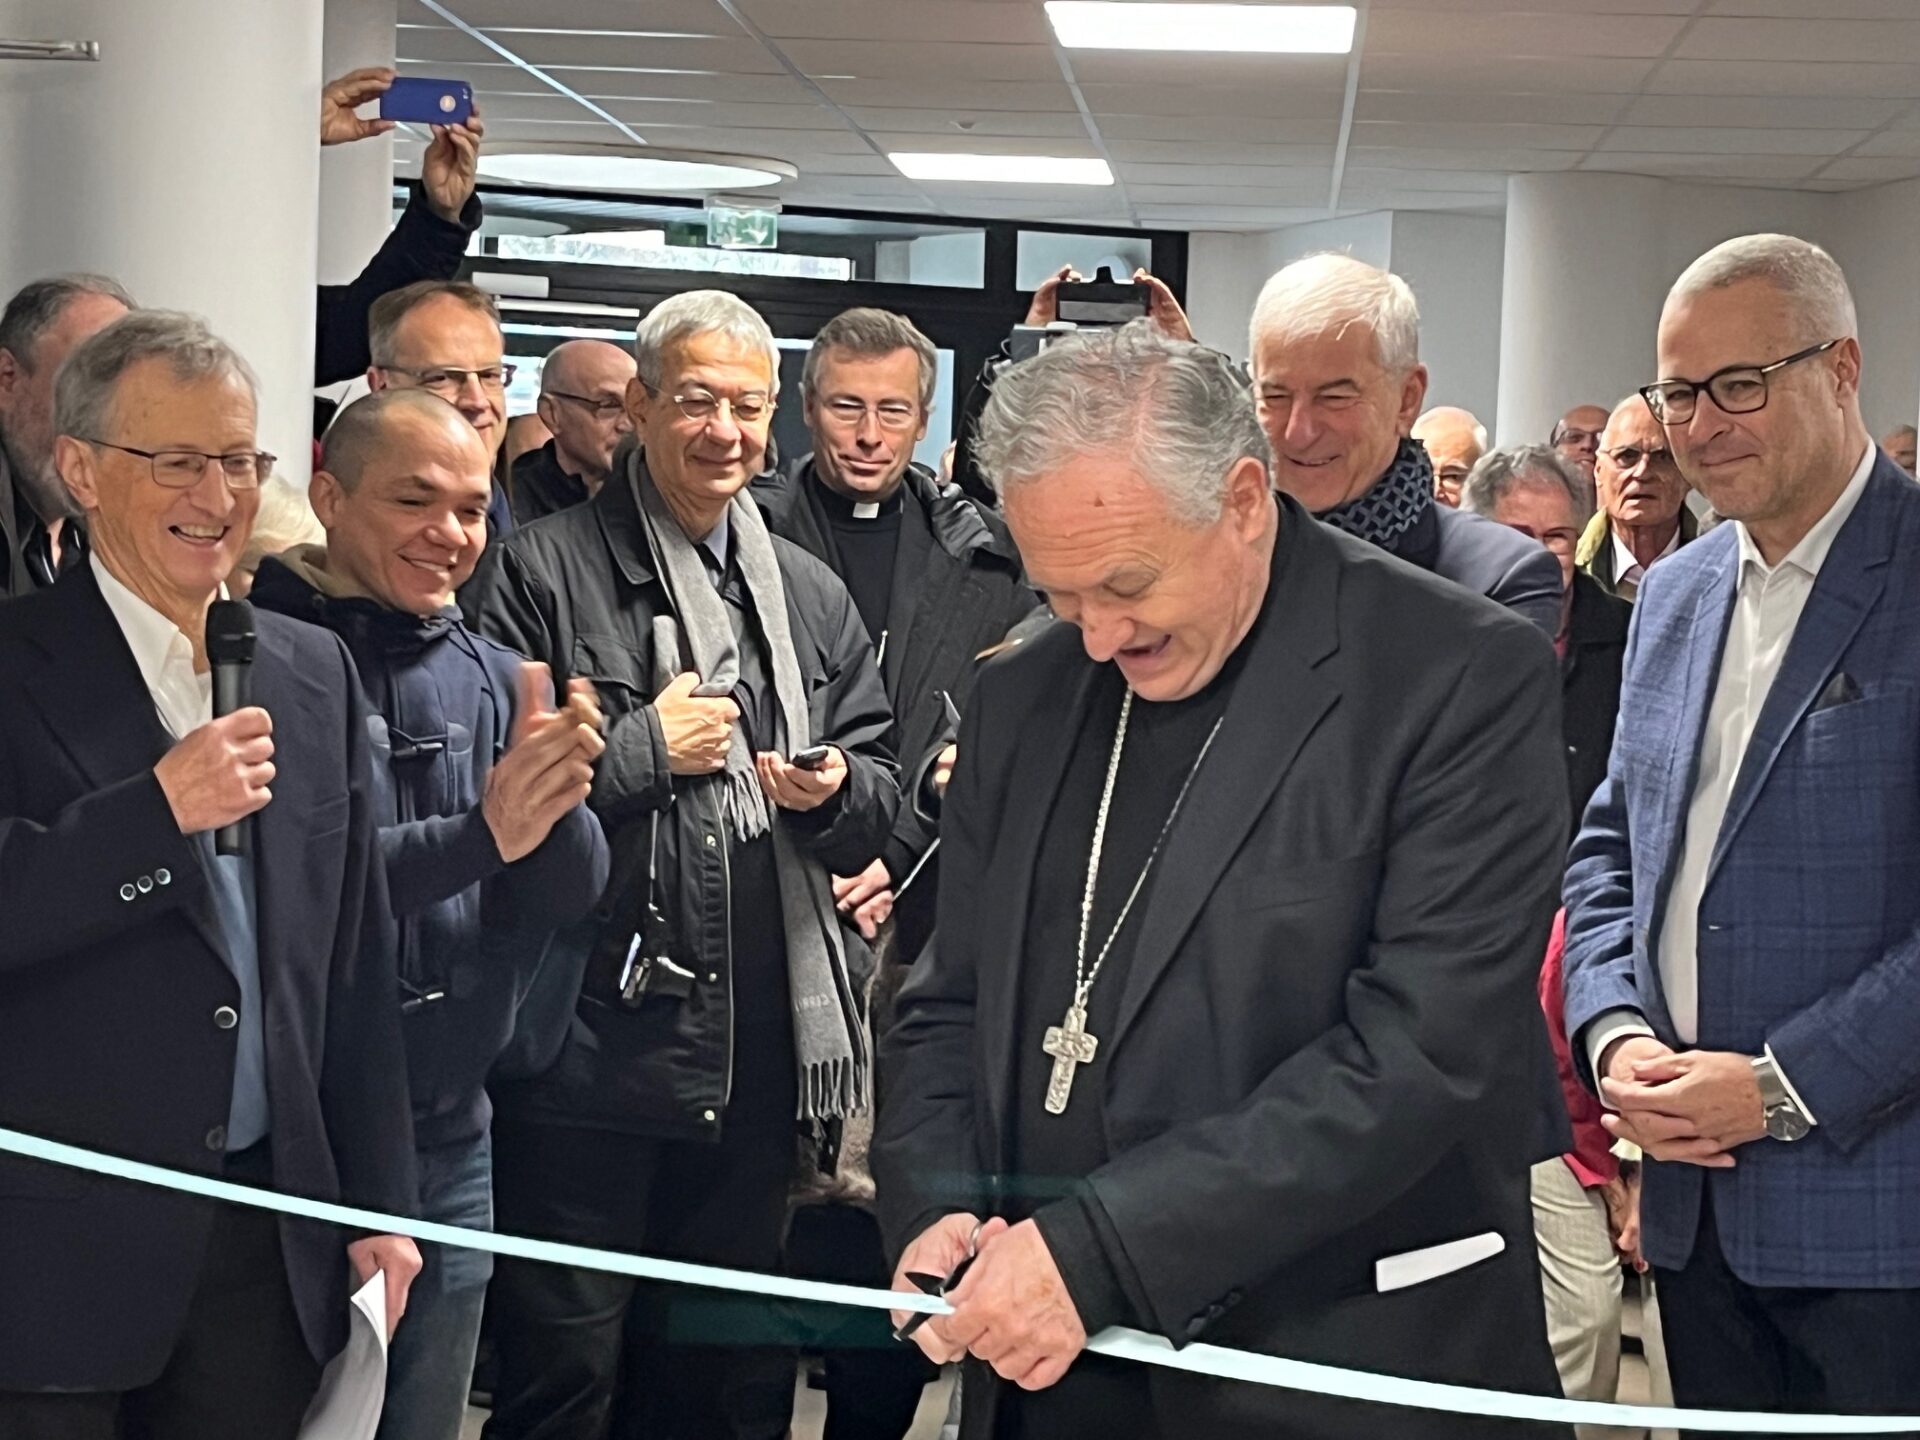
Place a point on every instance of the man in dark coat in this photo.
(1296, 809)
(721, 997)
(583, 404)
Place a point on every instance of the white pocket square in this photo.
(1416, 1267)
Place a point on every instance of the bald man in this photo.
(1455, 441)
(583, 389)
(481, 784)
(1899, 443)
(1576, 435)
(1643, 515)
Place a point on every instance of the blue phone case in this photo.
(427, 102)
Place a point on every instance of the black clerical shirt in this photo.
(864, 540)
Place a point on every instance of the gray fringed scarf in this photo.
(829, 1038)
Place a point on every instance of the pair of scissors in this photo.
(938, 1285)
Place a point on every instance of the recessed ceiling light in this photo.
(1004, 169)
(574, 166)
(1265, 29)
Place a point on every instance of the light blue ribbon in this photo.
(1210, 1360)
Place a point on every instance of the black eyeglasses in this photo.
(182, 469)
(602, 409)
(1629, 458)
(1573, 435)
(1737, 390)
(447, 381)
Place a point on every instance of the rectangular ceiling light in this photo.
(1003, 169)
(1249, 29)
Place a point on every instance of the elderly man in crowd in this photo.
(1454, 441)
(444, 336)
(1643, 515)
(1743, 927)
(746, 765)
(583, 404)
(163, 997)
(1899, 443)
(1242, 768)
(38, 329)
(1338, 380)
(482, 786)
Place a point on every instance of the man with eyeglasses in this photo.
(719, 1019)
(1454, 440)
(444, 336)
(1576, 435)
(1743, 930)
(1643, 515)
(583, 403)
(162, 997)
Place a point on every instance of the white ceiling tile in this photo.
(1455, 136)
(1272, 103)
(536, 103)
(444, 44)
(1495, 73)
(1502, 162)
(1227, 176)
(1312, 193)
(1809, 41)
(1052, 123)
(1725, 167)
(584, 127)
(958, 144)
(1728, 141)
(947, 93)
(1433, 35)
(1892, 142)
(1486, 108)
(998, 22)
(1206, 152)
(774, 144)
(1800, 112)
(1815, 9)
(1538, 7)
(1873, 167)
(1384, 177)
(683, 15)
(1217, 127)
(642, 113)
(900, 59)
(734, 54)
(1784, 77)
(1234, 217)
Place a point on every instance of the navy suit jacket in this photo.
(110, 976)
(1810, 917)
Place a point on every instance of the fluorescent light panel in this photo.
(1003, 169)
(1245, 29)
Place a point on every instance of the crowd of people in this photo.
(1242, 859)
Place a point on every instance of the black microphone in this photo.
(230, 652)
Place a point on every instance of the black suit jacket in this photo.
(1322, 1055)
(107, 1031)
(1590, 686)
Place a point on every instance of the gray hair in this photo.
(1329, 292)
(1498, 473)
(387, 313)
(1805, 274)
(871, 333)
(37, 306)
(84, 390)
(700, 312)
(1177, 411)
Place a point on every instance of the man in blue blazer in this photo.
(232, 1015)
(1743, 937)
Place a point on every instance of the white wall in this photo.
(1454, 264)
(1226, 270)
(356, 181)
(958, 259)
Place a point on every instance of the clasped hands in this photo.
(1696, 1106)
(1012, 1309)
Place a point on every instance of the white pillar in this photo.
(1586, 273)
(356, 181)
(185, 162)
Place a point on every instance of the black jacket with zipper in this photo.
(957, 590)
(578, 591)
(473, 929)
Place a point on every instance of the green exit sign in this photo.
(742, 229)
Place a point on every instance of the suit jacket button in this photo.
(217, 1138)
(144, 884)
(226, 1017)
(127, 892)
(163, 877)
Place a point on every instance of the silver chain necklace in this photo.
(1069, 1043)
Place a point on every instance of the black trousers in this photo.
(241, 1369)
(583, 1354)
(1735, 1346)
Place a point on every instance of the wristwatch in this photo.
(1785, 1119)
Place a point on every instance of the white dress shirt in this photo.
(165, 656)
(1628, 571)
(1766, 612)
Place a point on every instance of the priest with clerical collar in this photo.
(1248, 869)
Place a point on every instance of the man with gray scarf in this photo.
(720, 1008)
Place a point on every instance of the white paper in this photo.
(1397, 1272)
(354, 1387)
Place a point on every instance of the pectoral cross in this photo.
(1070, 1045)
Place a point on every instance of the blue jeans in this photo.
(430, 1364)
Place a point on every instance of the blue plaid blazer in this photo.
(1810, 918)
